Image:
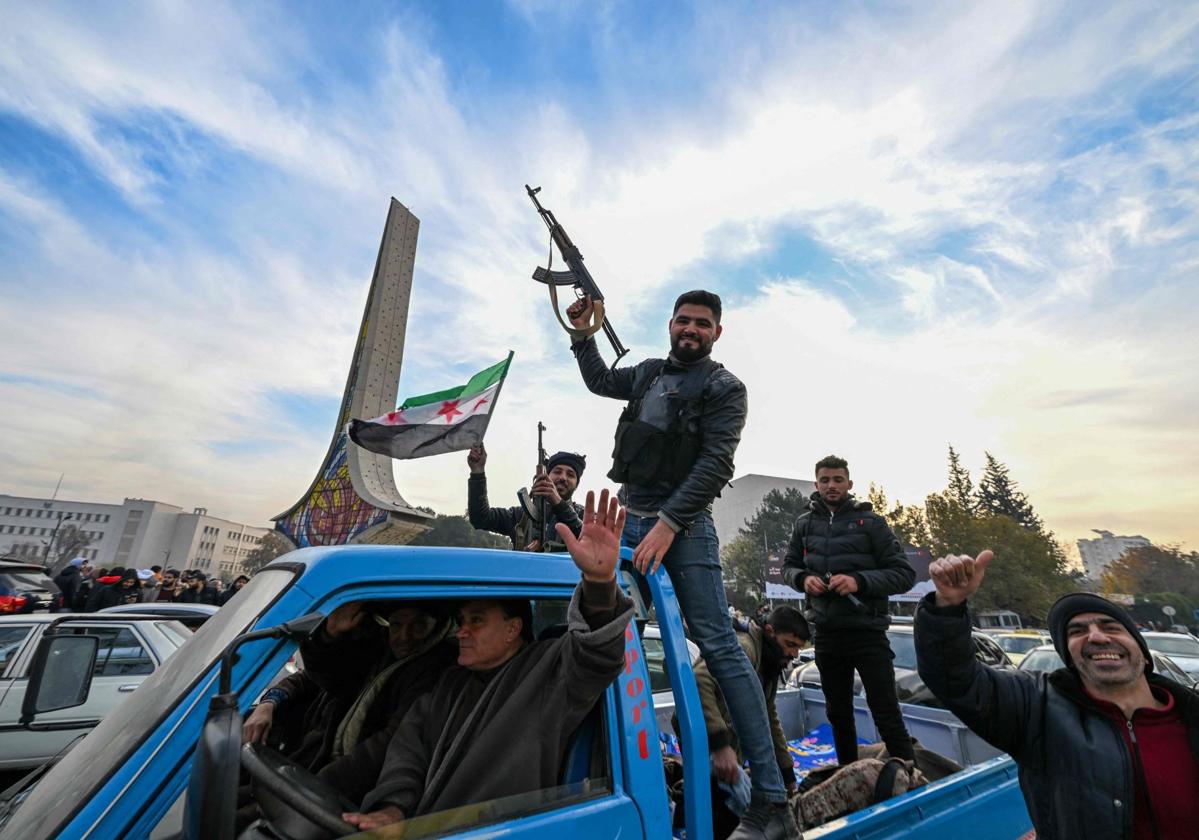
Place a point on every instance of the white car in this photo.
(1045, 659)
(1183, 650)
(129, 651)
(655, 663)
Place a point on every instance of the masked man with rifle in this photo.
(555, 483)
(674, 453)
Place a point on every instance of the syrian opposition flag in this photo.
(432, 424)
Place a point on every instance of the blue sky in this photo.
(930, 223)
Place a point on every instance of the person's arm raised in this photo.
(596, 550)
(957, 577)
(997, 705)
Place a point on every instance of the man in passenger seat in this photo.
(363, 670)
(499, 723)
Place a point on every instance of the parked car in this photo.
(189, 615)
(908, 685)
(1045, 658)
(1183, 650)
(1016, 644)
(655, 662)
(129, 652)
(25, 588)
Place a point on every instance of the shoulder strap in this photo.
(884, 788)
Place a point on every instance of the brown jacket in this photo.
(716, 711)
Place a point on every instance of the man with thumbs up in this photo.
(1106, 748)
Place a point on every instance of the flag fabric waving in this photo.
(433, 424)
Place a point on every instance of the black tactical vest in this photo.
(644, 454)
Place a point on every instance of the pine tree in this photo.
(961, 488)
(776, 515)
(877, 498)
(999, 495)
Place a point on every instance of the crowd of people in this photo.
(86, 588)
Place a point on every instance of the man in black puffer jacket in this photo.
(1107, 749)
(846, 560)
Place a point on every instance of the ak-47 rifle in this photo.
(577, 276)
(543, 504)
(538, 511)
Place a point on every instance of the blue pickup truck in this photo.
(165, 764)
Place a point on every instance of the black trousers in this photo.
(838, 654)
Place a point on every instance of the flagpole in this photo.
(495, 400)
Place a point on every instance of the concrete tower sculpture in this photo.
(353, 498)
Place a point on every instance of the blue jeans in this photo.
(693, 563)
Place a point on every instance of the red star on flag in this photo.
(449, 410)
(478, 403)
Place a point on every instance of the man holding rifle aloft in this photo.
(674, 453)
(555, 483)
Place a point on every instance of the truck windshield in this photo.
(75, 779)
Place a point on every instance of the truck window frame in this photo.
(399, 591)
(561, 796)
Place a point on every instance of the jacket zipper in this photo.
(1139, 769)
(828, 547)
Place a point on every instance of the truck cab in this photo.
(164, 763)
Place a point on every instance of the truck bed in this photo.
(983, 802)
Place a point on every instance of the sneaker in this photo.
(764, 820)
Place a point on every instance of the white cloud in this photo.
(875, 140)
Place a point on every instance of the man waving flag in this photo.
(432, 424)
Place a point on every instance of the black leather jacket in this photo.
(724, 408)
(852, 541)
(1075, 771)
(483, 517)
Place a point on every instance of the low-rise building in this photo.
(138, 533)
(740, 500)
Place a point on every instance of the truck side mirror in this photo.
(210, 810)
(60, 675)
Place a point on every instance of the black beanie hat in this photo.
(576, 462)
(1068, 606)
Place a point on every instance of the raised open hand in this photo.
(957, 577)
(596, 550)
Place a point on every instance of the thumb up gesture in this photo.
(957, 577)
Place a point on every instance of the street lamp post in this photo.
(54, 535)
